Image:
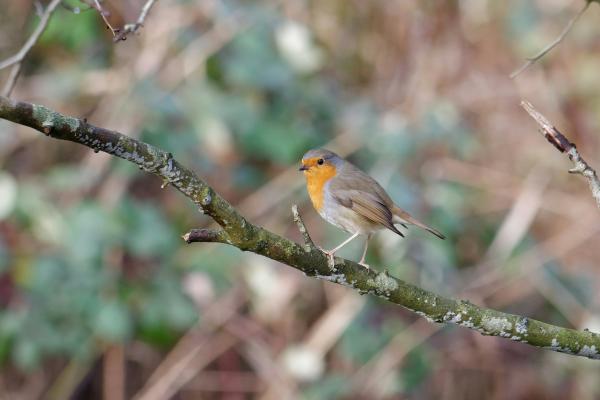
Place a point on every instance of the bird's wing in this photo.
(367, 205)
(354, 178)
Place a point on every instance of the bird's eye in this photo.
(320, 161)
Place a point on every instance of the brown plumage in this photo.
(347, 197)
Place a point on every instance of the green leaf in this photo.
(26, 354)
(113, 322)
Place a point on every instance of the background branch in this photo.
(554, 43)
(562, 144)
(132, 28)
(17, 58)
(103, 14)
(20, 55)
(15, 71)
(248, 237)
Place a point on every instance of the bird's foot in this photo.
(364, 264)
(330, 257)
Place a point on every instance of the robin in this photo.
(350, 199)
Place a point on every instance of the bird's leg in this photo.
(364, 254)
(331, 253)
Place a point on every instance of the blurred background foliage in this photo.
(99, 293)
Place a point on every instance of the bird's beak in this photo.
(303, 168)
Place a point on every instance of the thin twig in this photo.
(132, 28)
(309, 245)
(554, 43)
(562, 144)
(205, 235)
(12, 79)
(20, 55)
(102, 13)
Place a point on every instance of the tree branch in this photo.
(17, 59)
(20, 55)
(309, 245)
(15, 71)
(103, 14)
(132, 28)
(562, 144)
(555, 42)
(238, 232)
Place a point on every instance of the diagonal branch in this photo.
(554, 43)
(238, 232)
(20, 55)
(17, 59)
(15, 71)
(103, 14)
(562, 144)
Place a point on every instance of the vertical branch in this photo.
(20, 55)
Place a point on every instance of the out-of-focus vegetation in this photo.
(94, 277)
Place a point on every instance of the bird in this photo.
(350, 199)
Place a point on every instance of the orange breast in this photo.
(316, 178)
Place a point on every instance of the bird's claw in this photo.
(331, 261)
(330, 257)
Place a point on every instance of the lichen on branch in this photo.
(237, 231)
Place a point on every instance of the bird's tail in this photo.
(402, 217)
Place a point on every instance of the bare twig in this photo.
(12, 79)
(554, 43)
(562, 144)
(39, 8)
(20, 55)
(249, 237)
(132, 28)
(103, 13)
(309, 245)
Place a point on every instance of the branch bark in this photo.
(238, 232)
(562, 144)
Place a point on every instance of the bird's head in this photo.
(320, 164)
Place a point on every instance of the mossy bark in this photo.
(238, 232)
